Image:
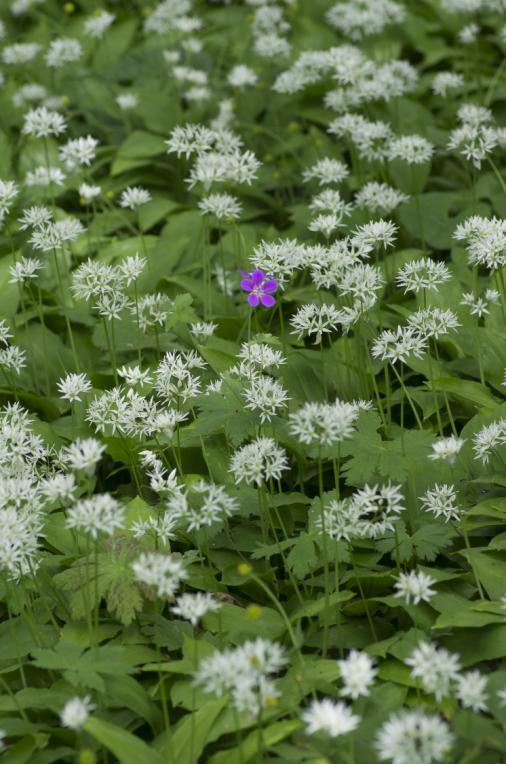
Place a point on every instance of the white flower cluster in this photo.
(245, 672)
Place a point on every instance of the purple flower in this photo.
(260, 287)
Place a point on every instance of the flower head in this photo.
(329, 717)
(75, 712)
(261, 288)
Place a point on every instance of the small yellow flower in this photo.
(86, 756)
(254, 612)
(244, 569)
(69, 8)
(110, 194)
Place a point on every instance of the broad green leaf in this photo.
(127, 748)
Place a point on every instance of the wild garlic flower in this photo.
(435, 668)
(326, 224)
(412, 149)
(259, 461)
(244, 672)
(222, 206)
(62, 51)
(265, 396)
(442, 82)
(422, 274)
(88, 192)
(134, 197)
(471, 691)
(75, 712)
(280, 258)
(54, 236)
(272, 46)
(97, 514)
(127, 101)
(97, 25)
(190, 139)
(164, 572)
(399, 345)
(60, 488)
(446, 449)
(259, 356)
(20, 53)
(486, 440)
(357, 674)
(78, 151)
(480, 306)
(131, 268)
(162, 528)
(433, 322)
(374, 234)
(415, 587)
(13, 358)
(20, 529)
(379, 198)
(215, 167)
(24, 269)
(152, 310)
(41, 123)
(469, 33)
(5, 332)
(202, 505)
(371, 139)
(8, 192)
(361, 18)
(340, 520)
(174, 377)
(440, 500)
(485, 239)
(414, 737)
(45, 176)
(324, 423)
(82, 455)
(378, 506)
(316, 319)
(35, 217)
(193, 607)
(241, 76)
(327, 172)
(330, 717)
(72, 386)
(134, 375)
(474, 142)
(331, 200)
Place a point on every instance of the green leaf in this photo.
(490, 567)
(271, 735)
(127, 748)
(315, 607)
(136, 150)
(9, 292)
(303, 556)
(187, 743)
(464, 388)
(237, 621)
(431, 539)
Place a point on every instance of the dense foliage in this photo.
(252, 355)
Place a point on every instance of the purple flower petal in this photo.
(253, 300)
(247, 285)
(267, 300)
(257, 277)
(269, 286)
